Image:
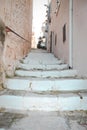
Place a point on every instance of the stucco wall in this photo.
(61, 49)
(17, 14)
(80, 36)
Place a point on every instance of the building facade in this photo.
(67, 33)
(17, 15)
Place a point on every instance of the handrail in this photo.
(10, 30)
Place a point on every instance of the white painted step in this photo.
(41, 62)
(46, 85)
(61, 102)
(47, 74)
(42, 67)
(41, 58)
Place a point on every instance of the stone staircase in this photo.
(42, 82)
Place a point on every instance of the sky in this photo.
(39, 15)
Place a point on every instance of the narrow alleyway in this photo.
(44, 94)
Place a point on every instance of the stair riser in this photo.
(63, 103)
(46, 85)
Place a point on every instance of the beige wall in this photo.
(80, 36)
(17, 14)
(61, 50)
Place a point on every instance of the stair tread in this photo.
(64, 102)
(42, 67)
(48, 74)
(46, 84)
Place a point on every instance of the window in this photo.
(55, 39)
(57, 6)
(64, 33)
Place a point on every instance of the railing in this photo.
(10, 30)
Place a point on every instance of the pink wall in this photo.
(61, 50)
(17, 15)
(80, 36)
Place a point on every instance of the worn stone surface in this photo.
(6, 119)
(44, 120)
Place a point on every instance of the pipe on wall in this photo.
(71, 33)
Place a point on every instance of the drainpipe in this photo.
(70, 33)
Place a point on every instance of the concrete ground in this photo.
(43, 120)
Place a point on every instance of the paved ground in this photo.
(43, 121)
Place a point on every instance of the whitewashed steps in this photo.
(60, 102)
(37, 86)
(41, 58)
(42, 67)
(47, 74)
(40, 62)
(40, 85)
